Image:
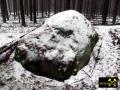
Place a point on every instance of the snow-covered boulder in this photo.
(60, 47)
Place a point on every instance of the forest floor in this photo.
(13, 29)
(107, 52)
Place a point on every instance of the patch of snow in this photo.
(108, 64)
(22, 47)
(18, 71)
(8, 37)
(62, 37)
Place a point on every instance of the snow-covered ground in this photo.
(108, 63)
(13, 29)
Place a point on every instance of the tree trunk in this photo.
(14, 8)
(73, 4)
(30, 8)
(6, 11)
(68, 4)
(3, 11)
(105, 11)
(115, 10)
(80, 4)
(55, 6)
(93, 5)
(34, 11)
(42, 7)
(22, 13)
(49, 7)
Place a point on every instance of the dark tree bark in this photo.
(30, 8)
(37, 10)
(80, 4)
(68, 4)
(22, 13)
(87, 8)
(42, 8)
(14, 8)
(115, 10)
(55, 6)
(18, 11)
(60, 5)
(64, 2)
(6, 10)
(34, 11)
(49, 7)
(3, 10)
(93, 8)
(105, 11)
(26, 7)
(73, 4)
(9, 7)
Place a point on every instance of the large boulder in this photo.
(59, 48)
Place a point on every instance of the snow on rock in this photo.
(70, 20)
(65, 42)
(107, 63)
(68, 34)
(78, 29)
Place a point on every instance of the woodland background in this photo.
(99, 12)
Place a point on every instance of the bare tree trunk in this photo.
(30, 8)
(60, 7)
(55, 6)
(73, 4)
(49, 7)
(6, 10)
(42, 7)
(22, 13)
(80, 4)
(105, 11)
(115, 10)
(34, 11)
(2, 4)
(14, 8)
(93, 8)
(68, 4)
